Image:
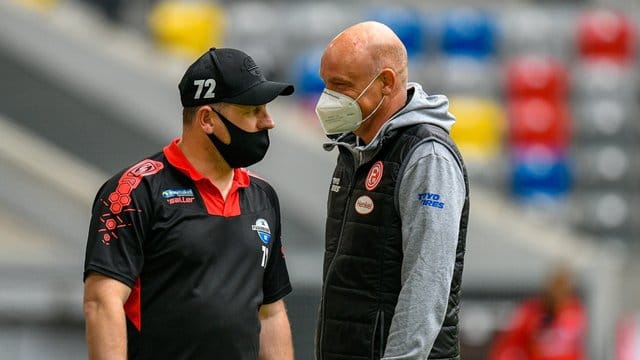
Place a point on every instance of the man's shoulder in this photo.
(129, 177)
(263, 185)
(432, 140)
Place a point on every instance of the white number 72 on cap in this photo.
(210, 84)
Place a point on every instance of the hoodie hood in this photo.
(421, 109)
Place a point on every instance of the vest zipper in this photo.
(381, 333)
(378, 331)
(324, 286)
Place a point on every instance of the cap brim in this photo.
(261, 94)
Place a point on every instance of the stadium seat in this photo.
(39, 5)
(479, 126)
(604, 79)
(604, 120)
(469, 32)
(536, 30)
(604, 212)
(537, 76)
(537, 121)
(606, 35)
(187, 28)
(538, 172)
(305, 73)
(607, 165)
(408, 23)
(469, 76)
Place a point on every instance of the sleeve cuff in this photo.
(271, 298)
(109, 273)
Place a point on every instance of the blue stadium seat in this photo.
(538, 172)
(408, 23)
(469, 32)
(306, 73)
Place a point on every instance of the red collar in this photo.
(176, 158)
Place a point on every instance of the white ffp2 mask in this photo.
(338, 113)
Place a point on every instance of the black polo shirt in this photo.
(199, 266)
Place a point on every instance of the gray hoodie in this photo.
(430, 195)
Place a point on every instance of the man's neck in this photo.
(204, 158)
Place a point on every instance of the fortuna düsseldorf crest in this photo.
(375, 174)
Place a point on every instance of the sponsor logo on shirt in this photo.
(178, 196)
(262, 227)
(364, 205)
(431, 199)
(374, 176)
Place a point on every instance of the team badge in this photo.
(364, 205)
(375, 174)
(262, 227)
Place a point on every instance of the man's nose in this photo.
(265, 122)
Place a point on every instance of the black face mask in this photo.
(245, 149)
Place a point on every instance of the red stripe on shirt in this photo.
(132, 306)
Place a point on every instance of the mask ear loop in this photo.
(379, 104)
(374, 110)
(367, 87)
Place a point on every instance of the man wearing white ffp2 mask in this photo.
(338, 113)
(397, 207)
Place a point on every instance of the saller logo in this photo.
(178, 196)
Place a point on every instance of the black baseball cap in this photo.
(228, 75)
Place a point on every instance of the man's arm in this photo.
(106, 328)
(430, 199)
(275, 333)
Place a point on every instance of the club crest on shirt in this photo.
(374, 176)
(262, 227)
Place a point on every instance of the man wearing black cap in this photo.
(184, 258)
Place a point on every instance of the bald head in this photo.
(368, 63)
(369, 46)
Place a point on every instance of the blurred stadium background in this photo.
(546, 94)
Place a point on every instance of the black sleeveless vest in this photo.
(363, 253)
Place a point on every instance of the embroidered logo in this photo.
(374, 177)
(364, 205)
(262, 227)
(178, 196)
(431, 199)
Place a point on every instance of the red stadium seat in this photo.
(536, 76)
(538, 121)
(606, 35)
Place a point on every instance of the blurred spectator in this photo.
(550, 326)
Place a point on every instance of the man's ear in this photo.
(389, 79)
(205, 118)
